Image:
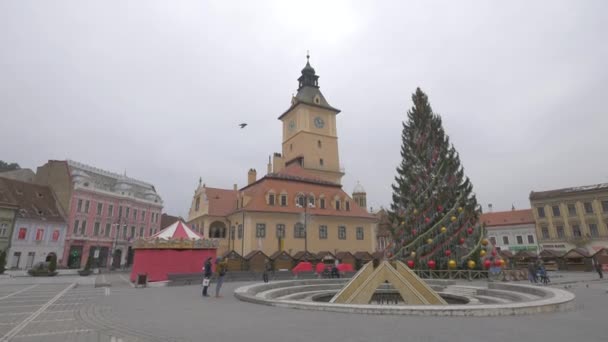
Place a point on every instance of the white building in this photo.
(512, 230)
(40, 227)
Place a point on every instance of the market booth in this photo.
(577, 259)
(281, 261)
(256, 261)
(551, 259)
(175, 249)
(234, 261)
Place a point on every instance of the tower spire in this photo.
(309, 78)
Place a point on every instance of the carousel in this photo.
(175, 249)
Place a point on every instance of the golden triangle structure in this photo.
(363, 285)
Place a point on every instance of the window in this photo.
(560, 232)
(240, 232)
(319, 143)
(298, 231)
(96, 229)
(588, 207)
(86, 206)
(505, 240)
(283, 200)
(322, 232)
(106, 232)
(311, 201)
(83, 227)
(337, 204)
(605, 206)
(280, 231)
(127, 211)
(143, 215)
(197, 205)
(540, 211)
(300, 200)
(571, 210)
(232, 232)
(39, 234)
(110, 210)
(75, 231)
(493, 240)
(555, 210)
(141, 232)
(347, 206)
(135, 214)
(322, 203)
(260, 230)
(151, 232)
(79, 209)
(120, 212)
(593, 230)
(132, 232)
(576, 230)
(530, 239)
(3, 229)
(321, 161)
(56, 234)
(22, 234)
(520, 240)
(99, 208)
(124, 232)
(359, 233)
(342, 233)
(271, 199)
(545, 232)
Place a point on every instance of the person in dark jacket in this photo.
(207, 273)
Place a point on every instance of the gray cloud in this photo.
(158, 88)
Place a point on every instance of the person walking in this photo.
(598, 268)
(266, 271)
(221, 269)
(532, 273)
(207, 273)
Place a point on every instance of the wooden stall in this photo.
(522, 259)
(577, 259)
(281, 261)
(362, 258)
(346, 258)
(305, 256)
(235, 262)
(326, 257)
(256, 261)
(551, 259)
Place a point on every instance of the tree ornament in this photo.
(429, 241)
(487, 263)
(471, 264)
(410, 263)
(452, 264)
(444, 229)
(484, 242)
(427, 220)
(498, 262)
(448, 252)
(414, 232)
(432, 264)
(502, 262)
(403, 223)
(415, 211)
(482, 253)
(493, 252)
(413, 254)
(461, 241)
(459, 209)
(439, 208)
(470, 231)
(389, 254)
(453, 218)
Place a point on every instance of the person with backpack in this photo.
(207, 273)
(221, 268)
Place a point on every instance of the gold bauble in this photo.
(413, 254)
(484, 242)
(452, 264)
(415, 211)
(471, 264)
(453, 218)
(429, 241)
(444, 229)
(482, 253)
(459, 209)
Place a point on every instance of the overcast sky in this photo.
(158, 87)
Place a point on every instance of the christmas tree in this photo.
(434, 212)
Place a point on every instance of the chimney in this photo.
(235, 187)
(490, 207)
(277, 162)
(269, 168)
(251, 176)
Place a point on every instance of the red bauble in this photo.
(498, 262)
(389, 254)
(470, 231)
(448, 253)
(410, 263)
(432, 264)
(414, 231)
(427, 220)
(439, 208)
(493, 252)
(461, 241)
(487, 263)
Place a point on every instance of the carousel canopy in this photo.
(176, 231)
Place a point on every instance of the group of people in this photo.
(536, 271)
(221, 268)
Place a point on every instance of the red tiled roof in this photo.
(34, 201)
(166, 220)
(507, 218)
(221, 201)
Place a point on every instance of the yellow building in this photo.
(572, 217)
(299, 204)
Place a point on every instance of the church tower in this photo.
(310, 135)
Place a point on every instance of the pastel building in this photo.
(106, 211)
(512, 230)
(40, 227)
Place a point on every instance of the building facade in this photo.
(572, 217)
(40, 227)
(299, 204)
(106, 211)
(512, 230)
(8, 213)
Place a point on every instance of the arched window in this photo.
(300, 200)
(311, 201)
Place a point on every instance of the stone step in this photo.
(491, 300)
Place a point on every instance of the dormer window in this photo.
(347, 206)
(317, 99)
(311, 201)
(300, 201)
(283, 200)
(337, 204)
(322, 203)
(271, 198)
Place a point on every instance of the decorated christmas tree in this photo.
(434, 212)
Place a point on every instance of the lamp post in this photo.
(305, 224)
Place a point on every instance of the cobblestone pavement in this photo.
(66, 312)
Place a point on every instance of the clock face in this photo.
(319, 123)
(292, 125)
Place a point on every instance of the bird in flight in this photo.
(243, 125)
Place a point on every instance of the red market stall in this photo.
(175, 249)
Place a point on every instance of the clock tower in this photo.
(309, 130)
